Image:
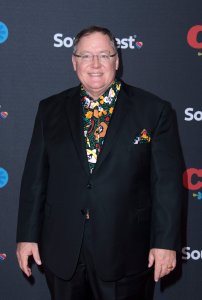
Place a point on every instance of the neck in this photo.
(95, 94)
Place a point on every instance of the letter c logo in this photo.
(192, 37)
(191, 179)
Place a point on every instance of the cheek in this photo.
(81, 71)
(111, 71)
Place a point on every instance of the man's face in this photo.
(96, 76)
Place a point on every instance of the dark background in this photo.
(31, 69)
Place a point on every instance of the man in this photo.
(100, 198)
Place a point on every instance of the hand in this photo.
(24, 250)
(164, 262)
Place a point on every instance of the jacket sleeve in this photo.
(33, 186)
(167, 167)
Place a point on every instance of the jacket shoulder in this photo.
(59, 97)
(145, 97)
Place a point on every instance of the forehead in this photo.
(96, 41)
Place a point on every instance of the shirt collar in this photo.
(111, 93)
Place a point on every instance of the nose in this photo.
(95, 61)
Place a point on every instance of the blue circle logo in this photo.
(3, 177)
(3, 32)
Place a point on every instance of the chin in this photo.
(96, 85)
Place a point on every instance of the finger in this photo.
(174, 264)
(157, 272)
(36, 256)
(169, 267)
(164, 272)
(19, 260)
(24, 266)
(20, 263)
(151, 260)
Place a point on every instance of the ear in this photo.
(74, 62)
(117, 62)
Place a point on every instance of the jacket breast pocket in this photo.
(144, 147)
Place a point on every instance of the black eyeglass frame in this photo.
(110, 55)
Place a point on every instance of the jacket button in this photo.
(89, 186)
(85, 212)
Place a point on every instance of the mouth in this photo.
(95, 74)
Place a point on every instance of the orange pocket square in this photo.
(143, 138)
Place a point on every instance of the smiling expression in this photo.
(95, 76)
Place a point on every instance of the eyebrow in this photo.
(86, 51)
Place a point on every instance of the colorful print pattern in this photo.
(143, 138)
(96, 118)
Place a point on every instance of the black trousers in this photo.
(86, 285)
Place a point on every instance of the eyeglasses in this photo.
(88, 57)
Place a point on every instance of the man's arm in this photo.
(32, 197)
(167, 192)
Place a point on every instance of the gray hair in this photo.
(93, 29)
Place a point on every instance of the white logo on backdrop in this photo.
(60, 41)
(131, 42)
(191, 114)
(188, 253)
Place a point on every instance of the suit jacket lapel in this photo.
(75, 116)
(122, 107)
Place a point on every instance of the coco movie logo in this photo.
(193, 38)
(192, 180)
(130, 42)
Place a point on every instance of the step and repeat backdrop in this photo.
(161, 51)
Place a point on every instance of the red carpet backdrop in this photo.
(161, 51)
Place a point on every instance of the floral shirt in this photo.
(96, 118)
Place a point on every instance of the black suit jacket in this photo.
(134, 193)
